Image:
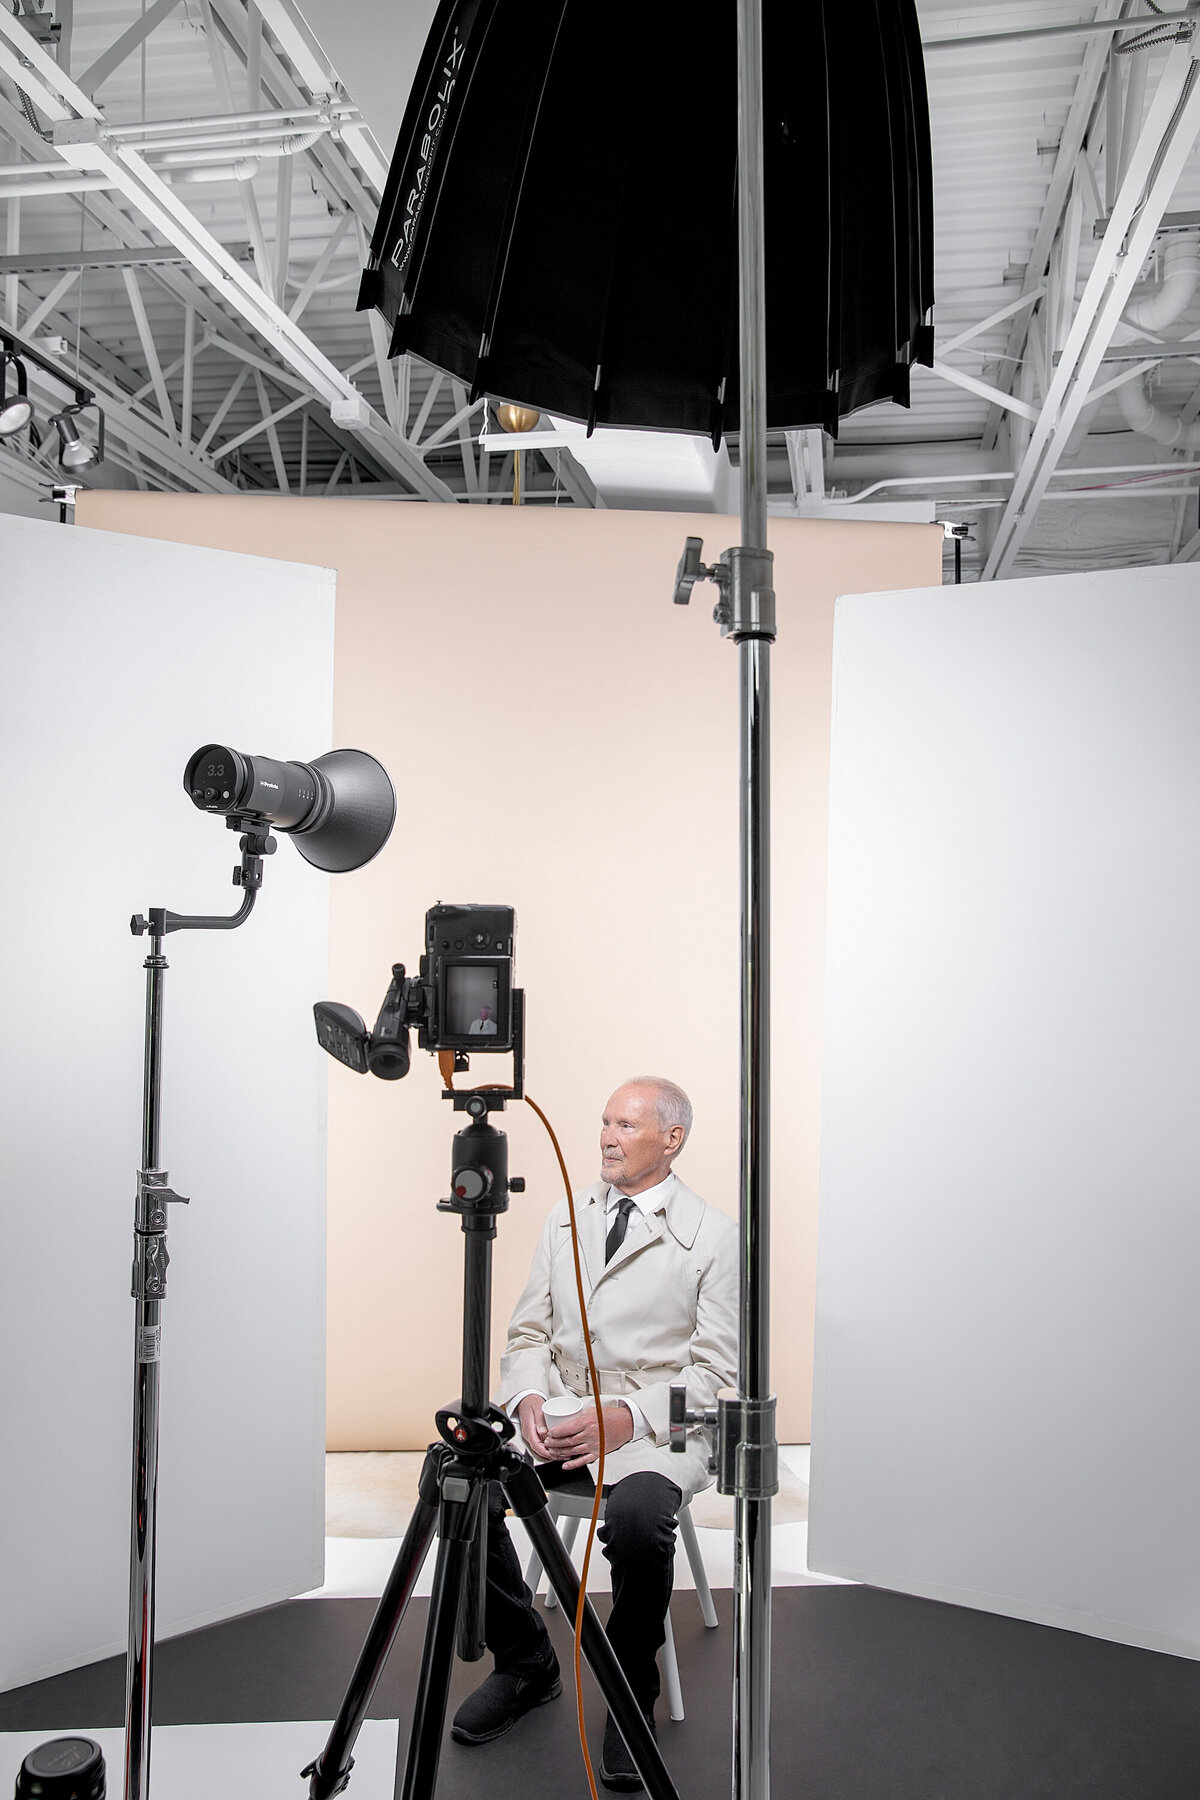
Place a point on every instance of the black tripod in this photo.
(474, 1450)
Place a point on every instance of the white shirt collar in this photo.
(645, 1202)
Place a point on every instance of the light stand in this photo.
(150, 1260)
(747, 1449)
(452, 1503)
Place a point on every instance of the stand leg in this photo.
(528, 1501)
(331, 1771)
(463, 1493)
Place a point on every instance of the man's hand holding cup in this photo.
(564, 1429)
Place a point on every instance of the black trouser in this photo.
(638, 1535)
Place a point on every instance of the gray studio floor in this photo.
(367, 1500)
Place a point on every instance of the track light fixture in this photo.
(17, 411)
(75, 452)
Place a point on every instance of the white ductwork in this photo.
(225, 148)
(202, 166)
(1142, 416)
(1181, 277)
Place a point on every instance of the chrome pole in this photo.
(753, 627)
(149, 1287)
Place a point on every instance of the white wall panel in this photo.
(1008, 1333)
(120, 657)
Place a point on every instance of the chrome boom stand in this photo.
(149, 1290)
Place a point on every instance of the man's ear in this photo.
(675, 1140)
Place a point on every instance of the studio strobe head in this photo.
(339, 808)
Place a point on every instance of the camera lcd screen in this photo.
(472, 1001)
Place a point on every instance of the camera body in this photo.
(462, 999)
(466, 973)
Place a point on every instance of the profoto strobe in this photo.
(474, 1449)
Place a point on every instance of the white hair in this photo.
(670, 1102)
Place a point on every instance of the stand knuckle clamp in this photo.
(744, 578)
(150, 1257)
(747, 1450)
(682, 1419)
(751, 594)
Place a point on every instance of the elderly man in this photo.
(661, 1275)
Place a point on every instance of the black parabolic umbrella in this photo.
(559, 225)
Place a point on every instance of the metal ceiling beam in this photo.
(339, 179)
(106, 372)
(149, 349)
(267, 424)
(984, 389)
(1183, 22)
(125, 45)
(45, 307)
(216, 58)
(1171, 127)
(189, 369)
(1074, 134)
(302, 49)
(122, 422)
(322, 265)
(218, 419)
(83, 143)
(272, 435)
(112, 380)
(47, 262)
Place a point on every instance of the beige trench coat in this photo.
(665, 1309)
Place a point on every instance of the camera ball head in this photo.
(479, 1178)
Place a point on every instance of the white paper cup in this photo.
(562, 1406)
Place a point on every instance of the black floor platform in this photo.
(877, 1696)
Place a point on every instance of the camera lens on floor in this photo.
(66, 1768)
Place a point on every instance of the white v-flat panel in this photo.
(120, 656)
(1007, 1408)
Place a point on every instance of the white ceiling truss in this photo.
(202, 268)
(187, 189)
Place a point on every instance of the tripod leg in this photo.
(464, 1492)
(331, 1771)
(528, 1501)
(471, 1644)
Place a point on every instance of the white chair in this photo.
(571, 1508)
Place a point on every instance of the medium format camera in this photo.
(461, 1000)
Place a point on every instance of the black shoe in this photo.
(616, 1765)
(500, 1701)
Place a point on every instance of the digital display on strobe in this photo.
(213, 779)
(472, 993)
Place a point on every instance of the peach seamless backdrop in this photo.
(563, 739)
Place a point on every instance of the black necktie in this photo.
(618, 1228)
